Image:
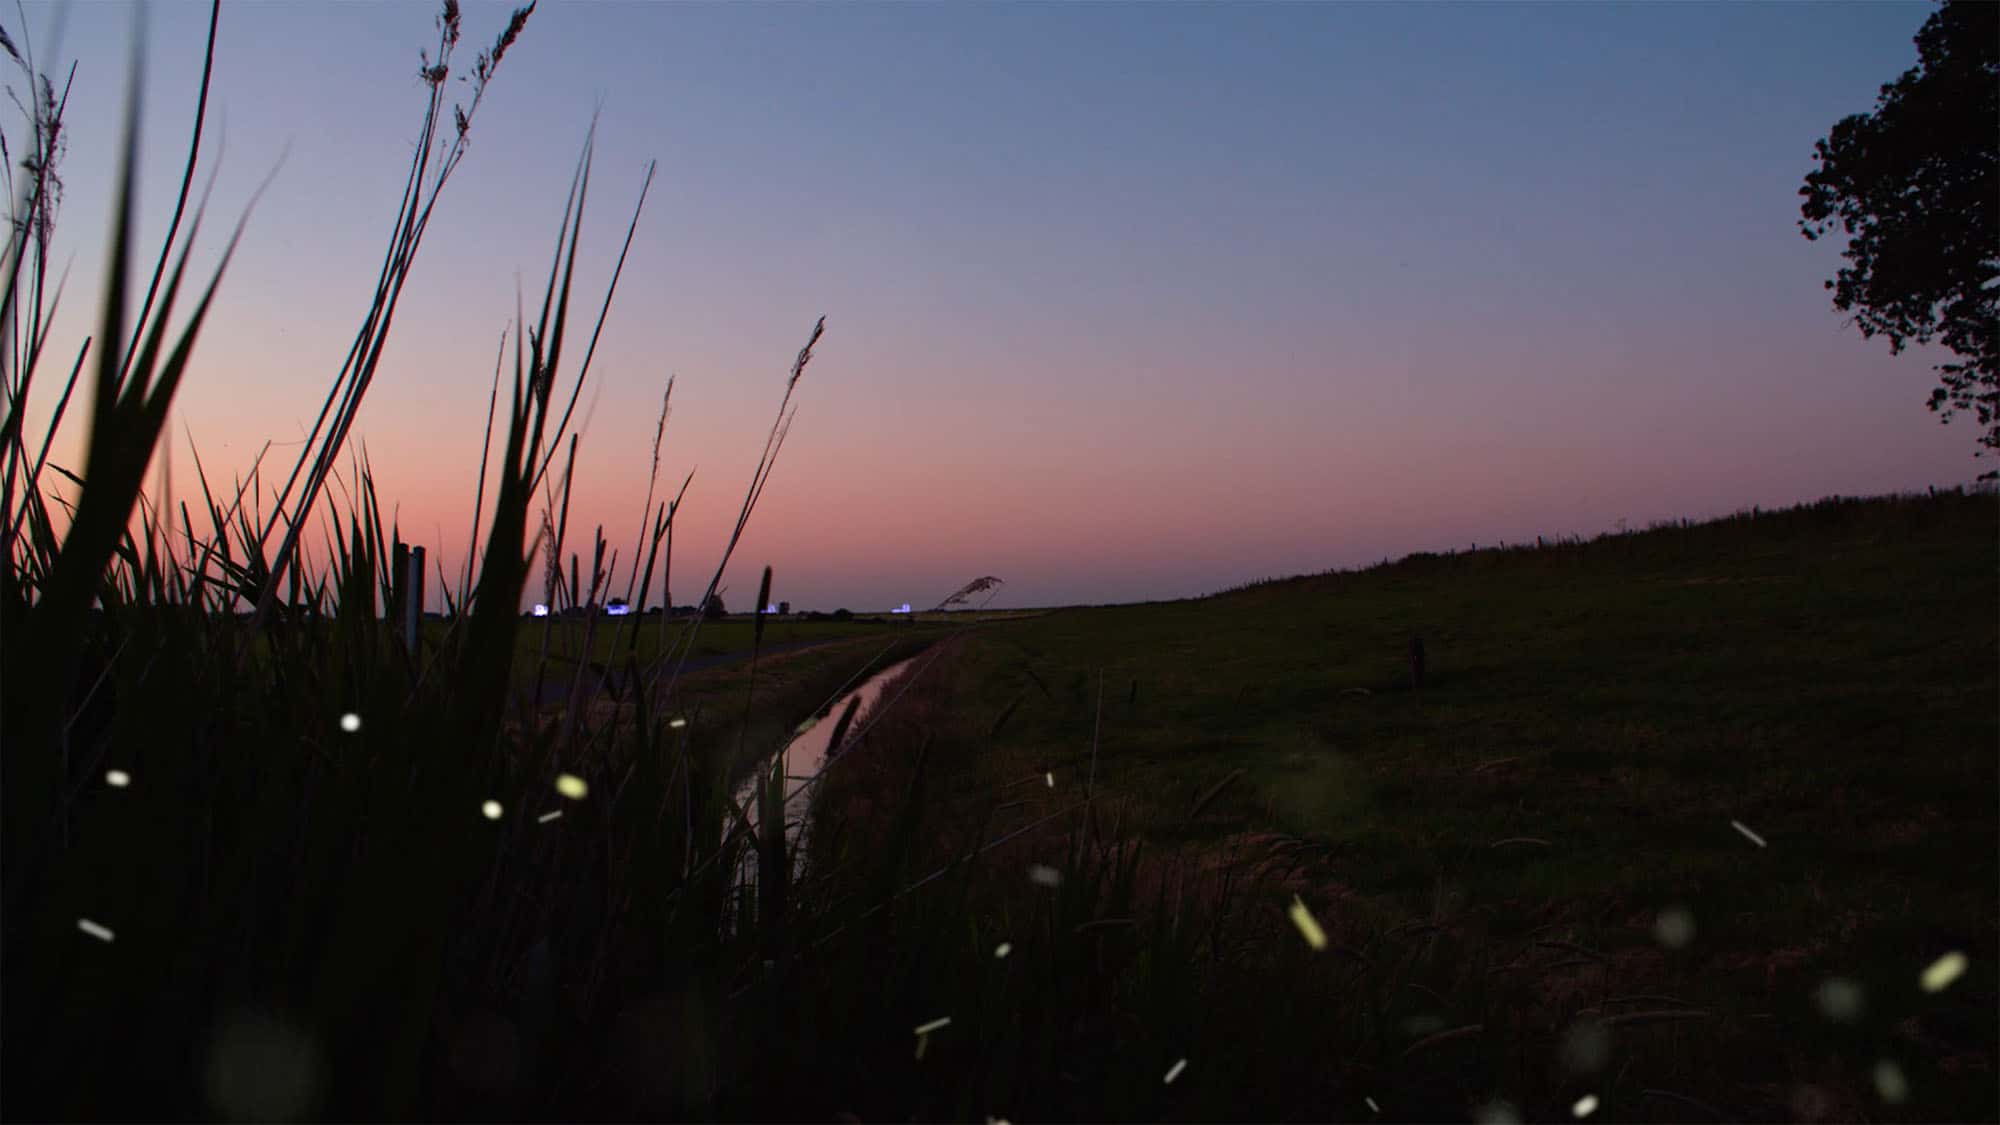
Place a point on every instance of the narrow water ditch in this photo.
(805, 755)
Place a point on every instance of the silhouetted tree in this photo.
(713, 609)
(1915, 185)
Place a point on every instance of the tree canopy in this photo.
(1915, 185)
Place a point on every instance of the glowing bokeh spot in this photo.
(1890, 1083)
(1051, 776)
(1372, 1107)
(1003, 949)
(262, 1069)
(677, 722)
(1586, 1047)
(1674, 928)
(1840, 1000)
(93, 929)
(1422, 1024)
(1044, 875)
(548, 816)
(1308, 925)
(1747, 834)
(1943, 971)
(491, 809)
(117, 779)
(1497, 1113)
(350, 722)
(1585, 1106)
(571, 786)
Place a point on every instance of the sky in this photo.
(1124, 301)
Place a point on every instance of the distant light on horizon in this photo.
(541, 610)
(619, 610)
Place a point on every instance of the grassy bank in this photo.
(1492, 858)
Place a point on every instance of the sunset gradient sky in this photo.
(1124, 301)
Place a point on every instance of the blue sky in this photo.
(1124, 300)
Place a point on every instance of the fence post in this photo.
(399, 569)
(412, 583)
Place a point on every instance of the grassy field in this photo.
(1596, 719)
(732, 634)
(610, 639)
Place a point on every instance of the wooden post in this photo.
(413, 600)
(399, 569)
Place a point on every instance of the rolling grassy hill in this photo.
(1689, 791)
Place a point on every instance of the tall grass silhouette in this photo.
(330, 879)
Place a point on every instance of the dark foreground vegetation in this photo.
(1677, 822)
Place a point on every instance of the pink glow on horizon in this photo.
(1174, 348)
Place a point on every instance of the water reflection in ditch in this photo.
(803, 758)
